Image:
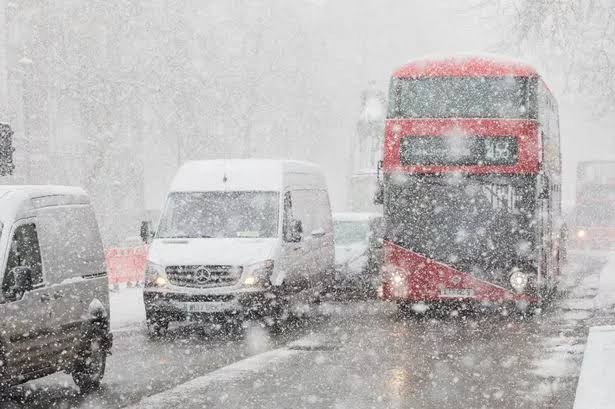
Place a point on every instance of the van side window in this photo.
(287, 217)
(25, 252)
(323, 209)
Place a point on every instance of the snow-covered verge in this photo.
(595, 388)
(127, 309)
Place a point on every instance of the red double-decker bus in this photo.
(471, 184)
(594, 213)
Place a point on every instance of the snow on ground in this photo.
(127, 309)
(194, 393)
(561, 350)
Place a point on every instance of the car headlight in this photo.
(258, 274)
(518, 281)
(581, 234)
(155, 275)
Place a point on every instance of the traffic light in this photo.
(6, 150)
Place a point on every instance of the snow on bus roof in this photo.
(488, 65)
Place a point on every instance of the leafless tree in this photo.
(578, 35)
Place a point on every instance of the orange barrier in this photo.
(126, 265)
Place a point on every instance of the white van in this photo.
(238, 237)
(54, 301)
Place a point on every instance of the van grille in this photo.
(203, 276)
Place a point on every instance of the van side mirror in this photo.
(379, 195)
(296, 231)
(18, 282)
(146, 231)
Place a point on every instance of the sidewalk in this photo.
(595, 387)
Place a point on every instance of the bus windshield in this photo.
(478, 225)
(220, 215)
(459, 97)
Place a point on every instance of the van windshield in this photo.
(220, 215)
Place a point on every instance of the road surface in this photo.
(359, 354)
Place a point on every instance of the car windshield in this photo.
(459, 97)
(482, 226)
(351, 232)
(220, 215)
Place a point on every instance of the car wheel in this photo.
(90, 364)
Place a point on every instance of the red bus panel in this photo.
(424, 280)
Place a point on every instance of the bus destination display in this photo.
(466, 150)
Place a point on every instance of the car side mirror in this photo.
(19, 281)
(146, 232)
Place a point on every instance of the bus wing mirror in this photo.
(379, 195)
(544, 192)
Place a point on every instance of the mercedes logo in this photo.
(202, 275)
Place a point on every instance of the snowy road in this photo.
(357, 355)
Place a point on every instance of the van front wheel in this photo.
(90, 365)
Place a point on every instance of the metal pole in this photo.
(179, 150)
(3, 62)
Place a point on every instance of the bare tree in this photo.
(579, 36)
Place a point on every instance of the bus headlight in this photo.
(581, 234)
(518, 281)
(396, 279)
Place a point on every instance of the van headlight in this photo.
(155, 275)
(518, 281)
(581, 234)
(257, 274)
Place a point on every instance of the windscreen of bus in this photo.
(459, 97)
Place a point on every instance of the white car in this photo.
(358, 250)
